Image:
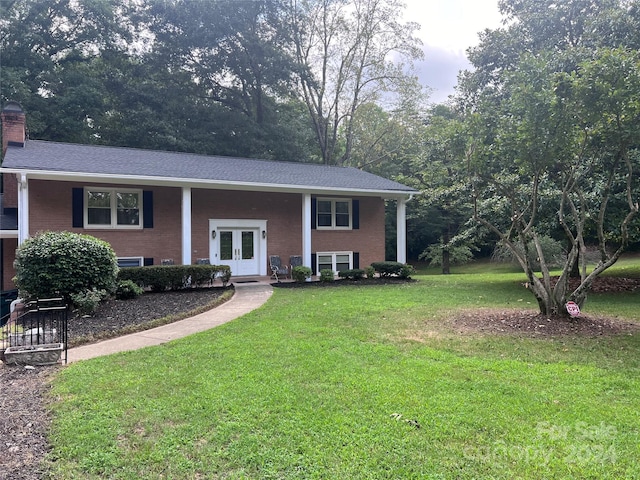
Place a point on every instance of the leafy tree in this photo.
(45, 46)
(345, 51)
(233, 68)
(441, 212)
(555, 131)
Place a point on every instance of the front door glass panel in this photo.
(247, 245)
(226, 245)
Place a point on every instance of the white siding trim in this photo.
(186, 225)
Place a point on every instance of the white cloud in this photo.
(449, 28)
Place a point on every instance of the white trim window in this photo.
(334, 213)
(336, 261)
(113, 208)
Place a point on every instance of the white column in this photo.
(186, 226)
(306, 230)
(23, 208)
(401, 222)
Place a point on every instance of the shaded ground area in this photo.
(23, 422)
(23, 418)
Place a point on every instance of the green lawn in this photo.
(359, 382)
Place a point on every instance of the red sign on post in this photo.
(573, 309)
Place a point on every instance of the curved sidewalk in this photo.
(247, 297)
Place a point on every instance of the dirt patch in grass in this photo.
(23, 422)
(532, 323)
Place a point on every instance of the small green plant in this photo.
(370, 272)
(353, 274)
(128, 289)
(406, 271)
(301, 274)
(224, 274)
(326, 275)
(87, 302)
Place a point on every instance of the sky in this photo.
(449, 27)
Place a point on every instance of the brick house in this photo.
(155, 205)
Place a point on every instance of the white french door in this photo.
(238, 249)
(240, 244)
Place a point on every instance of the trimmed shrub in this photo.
(406, 271)
(301, 274)
(52, 264)
(353, 274)
(128, 289)
(370, 272)
(175, 277)
(393, 269)
(326, 275)
(87, 302)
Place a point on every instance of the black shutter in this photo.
(356, 259)
(355, 215)
(314, 213)
(313, 264)
(148, 262)
(77, 207)
(147, 209)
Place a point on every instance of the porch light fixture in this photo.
(264, 234)
(213, 234)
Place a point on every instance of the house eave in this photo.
(203, 183)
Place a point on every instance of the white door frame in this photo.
(216, 224)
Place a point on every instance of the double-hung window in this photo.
(336, 261)
(113, 208)
(333, 213)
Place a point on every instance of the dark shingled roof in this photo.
(70, 159)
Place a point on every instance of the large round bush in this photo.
(64, 263)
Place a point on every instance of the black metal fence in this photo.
(40, 327)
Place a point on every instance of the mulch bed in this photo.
(532, 324)
(115, 315)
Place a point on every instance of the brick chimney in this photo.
(13, 126)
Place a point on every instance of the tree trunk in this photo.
(446, 256)
(446, 262)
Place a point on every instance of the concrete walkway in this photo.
(247, 297)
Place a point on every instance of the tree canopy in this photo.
(555, 121)
(208, 76)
